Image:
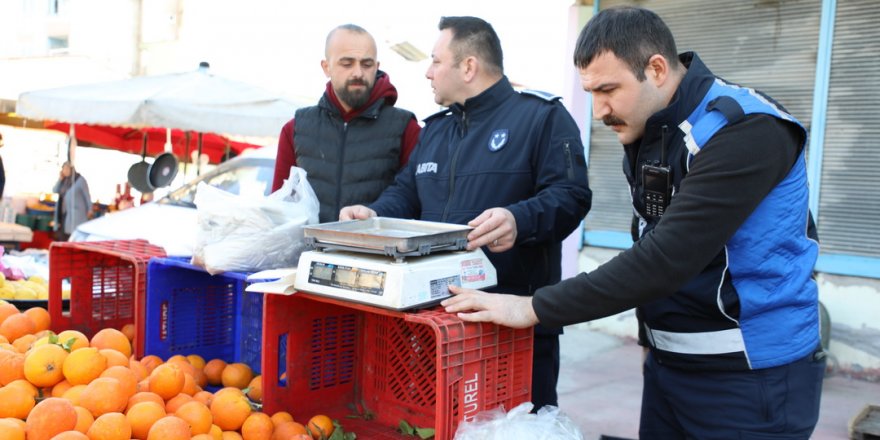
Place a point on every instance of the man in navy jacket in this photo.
(509, 164)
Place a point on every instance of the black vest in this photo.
(348, 164)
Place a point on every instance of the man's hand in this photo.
(356, 212)
(476, 306)
(495, 227)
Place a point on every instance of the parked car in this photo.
(171, 222)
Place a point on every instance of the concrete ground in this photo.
(600, 388)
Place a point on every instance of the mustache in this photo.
(356, 82)
(612, 120)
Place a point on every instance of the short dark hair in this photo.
(474, 36)
(632, 34)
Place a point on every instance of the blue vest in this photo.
(768, 261)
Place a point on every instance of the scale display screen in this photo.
(347, 277)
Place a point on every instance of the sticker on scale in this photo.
(440, 286)
(473, 271)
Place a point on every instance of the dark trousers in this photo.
(545, 370)
(772, 403)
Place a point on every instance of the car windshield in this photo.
(253, 178)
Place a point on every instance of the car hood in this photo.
(169, 226)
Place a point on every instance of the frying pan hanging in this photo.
(139, 173)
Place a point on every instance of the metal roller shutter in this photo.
(763, 44)
(849, 202)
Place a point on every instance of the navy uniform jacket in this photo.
(519, 151)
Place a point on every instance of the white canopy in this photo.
(196, 101)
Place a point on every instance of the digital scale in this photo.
(391, 263)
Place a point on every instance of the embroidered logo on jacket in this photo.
(498, 139)
(426, 167)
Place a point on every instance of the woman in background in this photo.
(74, 202)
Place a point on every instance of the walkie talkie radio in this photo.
(658, 189)
(657, 182)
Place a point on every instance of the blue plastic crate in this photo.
(190, 311)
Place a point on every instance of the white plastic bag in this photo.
(246, 234)
(549, 423)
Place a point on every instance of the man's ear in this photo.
(469, 68)
(657, 69)
(326, 67)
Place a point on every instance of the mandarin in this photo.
(42, 365)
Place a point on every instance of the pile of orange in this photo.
(65, 386)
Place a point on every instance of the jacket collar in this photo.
(486, 102)
(383, 93)
(690, 92)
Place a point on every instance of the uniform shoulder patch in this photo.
(439, 114)
(540, 94)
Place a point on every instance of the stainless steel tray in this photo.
(389, 236)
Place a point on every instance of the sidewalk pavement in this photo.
(600, 388)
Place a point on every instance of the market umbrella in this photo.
(196, 101)
(130, 140)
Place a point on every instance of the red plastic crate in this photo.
(430, 369)
(107, 285)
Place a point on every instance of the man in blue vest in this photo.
(354, 141)
(721, 268)
(509, 164)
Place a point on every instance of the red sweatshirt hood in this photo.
(383, 89)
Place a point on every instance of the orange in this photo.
(258, 426)
(151, 361)
(236, 375)
(129, 331)
(202, 437)
(197, 415)
(142, 416)
(10, 430)
(196, 361)
(112, 339)
(230, 409)
(23, 343)
(110, 426)
(145, 396)
(287, 430)
(214, 371)
(11, 367)
(139, 368)
(255, 389)
(74, 338)
(41, 318)
(103, 395)
(230, 435)
(83, 366)
(15, 403)
(42, 366)
(205, 397)
(25, 387)
(49, 417)
(169, 428)
(72, 394)
(84, 419)
(71, 435)
(176, 402)
(182, 363)
(201, 378)
(60, 388)
(127, 379)
(7, 310)
(321, 427)
(216, 432)
(189, 385)
(166, 380)
(281, 417)
(16, 326)
(114, 358)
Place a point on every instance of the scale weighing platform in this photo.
(391, 263)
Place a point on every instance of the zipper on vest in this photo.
(339, 164)
(464, 123)
(569, 165)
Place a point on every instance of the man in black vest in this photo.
(354, 141)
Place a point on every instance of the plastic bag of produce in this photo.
(519, 423)
(243, 233)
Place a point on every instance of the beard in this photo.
(354, 98)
